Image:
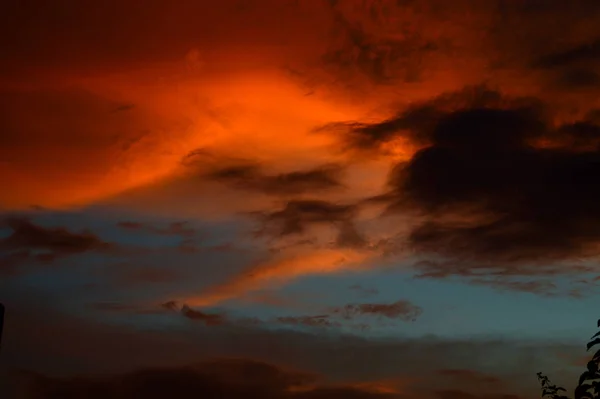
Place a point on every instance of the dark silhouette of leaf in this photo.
(598, 323)
(593, 343)
(592, 367)
(550, 390)
(596, 355)
(584, 376)
(595, 335)
(582, 392)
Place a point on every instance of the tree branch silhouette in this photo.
(589, 381)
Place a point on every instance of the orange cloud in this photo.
(281, 270)
(101, 107)
(99, 116)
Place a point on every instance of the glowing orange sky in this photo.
(111, 124)
(235, 90)
(117, 116)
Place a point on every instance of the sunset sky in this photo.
(309, 199)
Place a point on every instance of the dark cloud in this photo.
(129, 225)
(469, 376)
(170, 305)
(349, 236)
(227, 378)
(511, 277)
(41, 339)
(29, 241)
(251, 177)
(443, 269)
(579, 78)
(210, 319)
(344, 393)
(496, 181)
(231, 379)
(403, 310)
(584, 53)
(381, 59)
(459, 394)
(175, 228)
(309, 321)
(418, 122)
(538, 287)
(297, 215)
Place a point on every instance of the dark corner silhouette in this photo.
(588, 386)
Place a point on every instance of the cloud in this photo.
(309, 321)
(583, 53)
(64, 146)
(361, 50)
(231, 378)
(496, 181)
(333, 318)
(539, 287)
(279, 270)
(460, 394)
(42, 339)
(579, 78)
(350, 237)
(175, 228)
(400, 310)
(511, 277)
(297, 215)
(28, 240)
(470, 376)
(403, 310)
(250, 177)
(210, 319)
(412, 128)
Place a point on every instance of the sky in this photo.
(309, 199)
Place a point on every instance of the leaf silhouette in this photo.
(593, 343)
(582, 392)
(589, 390)
(584, 376)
